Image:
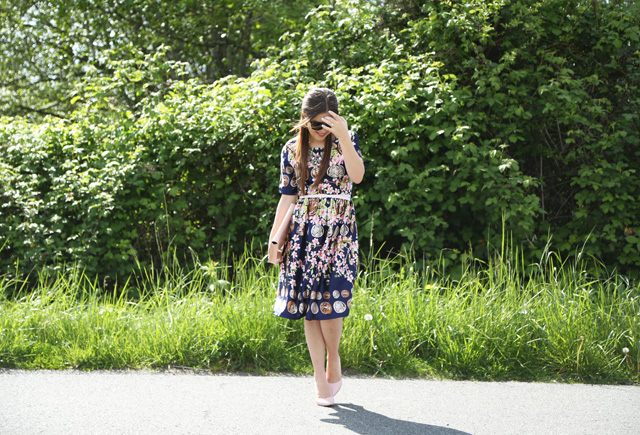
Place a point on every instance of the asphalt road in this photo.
(143, 402)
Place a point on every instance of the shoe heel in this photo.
(334, 387)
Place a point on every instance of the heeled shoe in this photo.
(324, 401)
(334, 387)
(327, 401)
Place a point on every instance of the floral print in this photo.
(320, 258)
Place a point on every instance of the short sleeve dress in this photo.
(320, 258)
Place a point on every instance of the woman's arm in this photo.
(281, 211)
(352, 161)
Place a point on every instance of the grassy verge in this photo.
(500, 320)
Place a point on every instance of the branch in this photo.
(42, 111)
(172, 36)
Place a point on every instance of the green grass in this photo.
(500, 320)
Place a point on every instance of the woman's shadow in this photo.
(361, 421)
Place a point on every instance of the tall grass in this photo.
(502, 319)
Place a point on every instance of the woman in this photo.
(319, 260)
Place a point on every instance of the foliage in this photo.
(472, 116)
(529, 115)
(46, 46)
(556, 83)
(504, 320)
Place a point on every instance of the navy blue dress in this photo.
(320, 258)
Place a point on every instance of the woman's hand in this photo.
(337, 125)
(285, 204)
(275, 252)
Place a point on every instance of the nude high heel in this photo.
(328, 401)
(334, 387)
(325, 401)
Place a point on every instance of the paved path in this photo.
(141, 402)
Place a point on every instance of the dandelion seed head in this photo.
(625, 350)
(368, 317)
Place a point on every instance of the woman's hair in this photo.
(317, 101)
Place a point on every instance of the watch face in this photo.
(313, 207)
(336, 171)
(325, 307)
(317, 231)
(329, 231)
(291, 307)
(339, 306)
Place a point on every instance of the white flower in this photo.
(625, 350)
(369, 317)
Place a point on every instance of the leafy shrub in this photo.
(470, 114)
(60, 197)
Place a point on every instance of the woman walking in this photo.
(319, 259)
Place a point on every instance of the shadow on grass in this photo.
(358, 420)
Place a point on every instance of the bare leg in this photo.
(317, 346)
(332, 332)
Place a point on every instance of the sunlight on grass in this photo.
(501, 319)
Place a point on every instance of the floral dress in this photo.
(320, 258)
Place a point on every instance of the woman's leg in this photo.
(332, 332)
(317, 346)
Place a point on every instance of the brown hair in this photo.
(315, 102)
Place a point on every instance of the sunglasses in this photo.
(316, 125)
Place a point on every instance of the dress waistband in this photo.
(347, 197)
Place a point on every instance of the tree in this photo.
(46, 46)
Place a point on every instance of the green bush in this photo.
(557, 83)
(470, 116)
